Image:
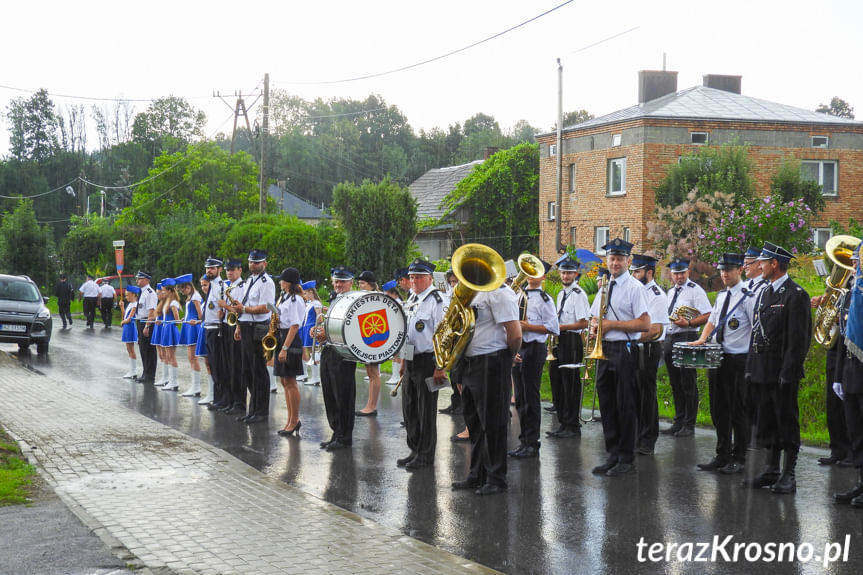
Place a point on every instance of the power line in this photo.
(62, 187)
(430, 60)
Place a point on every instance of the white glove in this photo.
(837, 389)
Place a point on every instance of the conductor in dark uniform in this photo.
(782, 328)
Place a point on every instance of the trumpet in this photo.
(550, 344)
(593, 350)
(316, 344)
(270, 340)
(231, 318)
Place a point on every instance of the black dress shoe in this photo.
(603, 469)
(255, 419)
(645, 450)
(567, 433)
(417, 463)
(685, 432)
(468, 483)
(760, 481)
(845, 462)
(366, 414)
(857, 501)
(514, 452)
(550, 409)
(828, 460)
(457, 438)
(490, 489)
(337, 444)
(243, 418)
(446, 410)
(457, 411)
(732, 468)
(671, 430)
(786, 484)
(621, 469)
(554, 432)
(528, 452)
(325, 444)
(216, 406)
(713, 464)
(846, 496)
(401, 462)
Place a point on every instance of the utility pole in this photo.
(239, 111)
(265, 136)
(558, 216)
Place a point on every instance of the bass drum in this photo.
(369, 327)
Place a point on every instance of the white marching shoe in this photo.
(166, 376)
(133, 369)
(209, 397)
(172, 384)
(315, 377)
(195, 390)
(394, 378)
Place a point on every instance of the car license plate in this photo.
(13, 327)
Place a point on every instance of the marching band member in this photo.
(107, 293)
(849, 369)
(168, 334)
(573, 310)
(211, 316)
(752, 269)
(254, 322)
(454, 407)
(626, 313)
(730, 324)
(190, 330)
(367, 281)
(156, 335)
(200, 348)
(337, 376)
(146, 315)
(485, 371)
(233, 402)
(313, 308)
(419, 404)
(782, 328)
(541, 321)
(683, 387)
(90, 297)
(390, 288)
(650, 345)
(289, 361)
(129, 334)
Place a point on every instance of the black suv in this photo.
(24, 319)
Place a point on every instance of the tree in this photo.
(500, 199)
(379, 222)
(574, 117)
(33, 127)
(168, 123)
(838, 107)
(481, 123)
(25, 247)
(789, 184)
(710, 169)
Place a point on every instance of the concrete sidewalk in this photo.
(178, 505)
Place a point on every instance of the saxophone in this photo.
(231, 318)
(270, 340)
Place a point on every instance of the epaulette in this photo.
(656, 290)
(576, 289)
(264, 278)
(690, 283)
(544, 295)
(437, 297)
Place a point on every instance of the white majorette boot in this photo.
(315, 379)
(133, 369)
(273, 386)
(165, 376)
(172, 384)
(209, 397)
(394, 377)
(195, 390)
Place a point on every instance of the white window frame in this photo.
(573, 172)
(615, 140)
(552, 211)
(609, 174)
(573, 230)
(692, 136)
(823, 141)
(600, 238)
(820, 179)
(817, 232)
(552, 150)
(626, 234)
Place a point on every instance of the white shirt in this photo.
(628, 301)
(493, 308)
(257, 290)
(236, 293)
(130, 309)
(147, 301)
(291, 311)
(777, 283)
(424, 313)
(575, 308)
(89, 289)
(540, 311)
(692, 295)
(755, 285)
(106, 291)
(190, 303)
(656, 306)
(738, 324)
(210, 307)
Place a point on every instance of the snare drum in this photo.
(368, 327)
(708, 355)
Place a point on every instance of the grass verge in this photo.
(15, 473)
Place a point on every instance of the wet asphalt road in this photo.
(556, 517)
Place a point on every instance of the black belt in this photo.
(254, 322)
(615, 343)
(680, 334)
(473, 358)
(763, 348)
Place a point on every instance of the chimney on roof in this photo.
(653, 84)
(722, 82)
(489, 151)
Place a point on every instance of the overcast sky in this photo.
(792, 52)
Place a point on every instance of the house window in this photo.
(820, 141)
(615, 140)
(572, 235)
(825, 172)
(572, 178)
(821, 236)
(626, 234)
(617, 176)
(552, 149)
(698, 137)
(552, 210)
(600, 238)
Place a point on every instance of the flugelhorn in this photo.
(529, 266)
(478, 268)
(838, 250)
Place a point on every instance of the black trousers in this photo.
(774, 415)
(148, 353)
(727, 386)
(216, 361)
(617, 389)
(527, 377)
(419, 407)
(107, 309)
(90, 310)
(485, 401)
(64, 308)
(683, 386)
(840, 443)
(255, 373)
(339, 388)
(648, 408)
(567, 380)
(235, 389)
(853, 406)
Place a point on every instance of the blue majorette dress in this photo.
(130, 330)
(156, 329)
(169, 335)
(189, 333)
(313, 308)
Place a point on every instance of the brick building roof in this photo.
(430, 189)
(703, 103)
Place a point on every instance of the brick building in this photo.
(611, 164)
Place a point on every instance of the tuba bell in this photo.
(529, 266)
(478, 268)
(838, 250)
